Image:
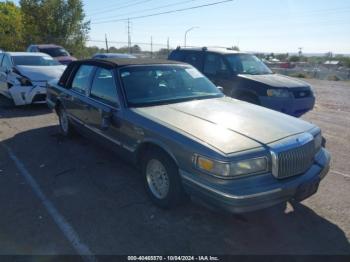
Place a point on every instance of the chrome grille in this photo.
(293, 161)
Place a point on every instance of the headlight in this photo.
(24, 81)
(243, 167)
(318, 142)
(249, 166)
(278, 93)
(212, 166)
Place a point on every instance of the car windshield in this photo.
(34, 61)
(54, 52)
(247, 64)
(163, 84)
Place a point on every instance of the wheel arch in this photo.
(152, 144)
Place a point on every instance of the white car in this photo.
(24, 75)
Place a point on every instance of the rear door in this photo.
(75, 98)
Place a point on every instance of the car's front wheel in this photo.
(66, 128)
(162, 180)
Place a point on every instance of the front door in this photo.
(103, 113)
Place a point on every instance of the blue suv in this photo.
(245, 77)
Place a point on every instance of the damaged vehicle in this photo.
(23, 76)
(187, 137)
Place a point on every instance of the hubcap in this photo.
(64, 121)
(157, 178)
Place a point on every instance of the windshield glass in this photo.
(247, 64)
(162, 84)
(34, 61)
(54, 52)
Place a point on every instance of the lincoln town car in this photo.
(187, 137)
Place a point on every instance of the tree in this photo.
(56, 21)
(11, 28)
(294, 58)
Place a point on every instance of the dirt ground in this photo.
(102, 199)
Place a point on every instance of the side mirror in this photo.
(221, 89)
(107, 119)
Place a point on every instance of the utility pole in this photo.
(151, 46)
(106, 43)
(168, 46)
(129, 37)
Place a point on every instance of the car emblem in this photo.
(302, 94)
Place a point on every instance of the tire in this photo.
(65, 126)
(162, 180)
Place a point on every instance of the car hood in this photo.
(41, 73)
(276, 80)
(227, 124)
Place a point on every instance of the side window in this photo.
(1, 57)
(6, 62)
(195, 59)
(81, 79)
(104, 87)
(214, 64)
(177, 55)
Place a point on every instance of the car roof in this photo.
(116, 62)
(219, 50)
(26, 54)
(47, 46)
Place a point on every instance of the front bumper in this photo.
(24, 95)
(291, 106)
(256, 192)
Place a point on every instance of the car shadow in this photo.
(81, 177)
(9, 110)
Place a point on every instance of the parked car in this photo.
(187, 137)
(245, 77)
(112, 55)
(23, 76)
(56, 51)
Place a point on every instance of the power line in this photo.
(118, 8)
(149, 9)
(163, 13)
(106, 7)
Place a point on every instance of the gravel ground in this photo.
(102, 200)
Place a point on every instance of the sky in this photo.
(279, 26)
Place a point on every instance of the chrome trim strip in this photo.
(229, 196)
(95, 130)
(105, 136)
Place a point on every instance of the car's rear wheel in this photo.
(66, 128)
(162, 180)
